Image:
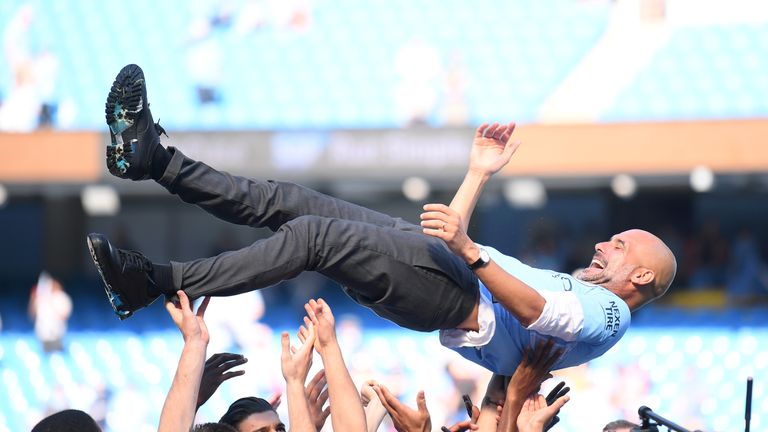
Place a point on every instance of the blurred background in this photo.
(633, 113)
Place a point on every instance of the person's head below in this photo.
(620, 426)
(636, 265)
(213, 427)
(252, 414)
(67, 421)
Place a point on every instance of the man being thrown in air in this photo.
(488, 306)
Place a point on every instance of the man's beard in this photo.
(595, 278)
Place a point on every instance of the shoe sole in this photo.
(114, 299)
(124, 103)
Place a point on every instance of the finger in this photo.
(326, 412)
(435, 224)
(383, 400)
(499, 132)
(184, 302)
(490, 130)
(285, 343)
(553, 393)
(322, 398)
(316, 380)
(309, 310)
(421, 402)
(227, 375)
(203, 307)
(552, 359)
(480, 130)
(231, 363)
(276, 400)
(508, 132)
(442, 235)
(475, 414)
(436, 207)
(391, 399)
(431, 215)
(559, 403)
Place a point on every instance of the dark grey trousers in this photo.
(383, 263)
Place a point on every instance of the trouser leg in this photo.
(257, 203)
(402, 275)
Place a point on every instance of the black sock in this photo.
(160, 160)
(163, 278)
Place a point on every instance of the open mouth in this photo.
(597, 264)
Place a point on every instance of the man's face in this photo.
(614, 260)
(267, 421)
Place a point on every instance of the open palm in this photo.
(492, 148)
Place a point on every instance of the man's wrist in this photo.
(478, 174)
(471, 253)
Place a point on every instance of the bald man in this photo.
(518, 304)
(488, 306)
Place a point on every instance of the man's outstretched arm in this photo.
(492, 148)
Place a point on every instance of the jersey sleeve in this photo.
(606, 317)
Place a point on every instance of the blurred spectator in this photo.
(50, 308)
(418, 67)
(747, 277)
(29, 103)
(233, 323)
(706, 257)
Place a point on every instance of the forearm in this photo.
(512, 407)
(486, 422)
(298, 407)
(180, 405)
(348, 416)
(467, 195)
(522, 301)
(374, 414)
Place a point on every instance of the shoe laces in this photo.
(134, 261)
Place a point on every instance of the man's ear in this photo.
(643, 276)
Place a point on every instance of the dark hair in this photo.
(616, 424)
(67, 421)
(213, 427)
(242, 408)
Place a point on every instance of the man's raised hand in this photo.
(295, 363)
(405, 418)
(492, 148)
(191, 324)
(320, 316)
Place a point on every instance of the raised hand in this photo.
(536, 413)
(320, 316)
(191, 325)
(492, 148)
(405, 418)
(533, 369)
(216, 371)
(317, 395)
(295, 363)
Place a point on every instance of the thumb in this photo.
(421, 401)
(555, 407)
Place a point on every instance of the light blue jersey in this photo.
(584, 319)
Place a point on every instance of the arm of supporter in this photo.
(532, 371)
(374, 409)
(490, 407)
(346, 409)
(295, 364)
(492, 149)
(181, 403)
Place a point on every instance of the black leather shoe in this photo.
(126, 276)
(134, 134)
